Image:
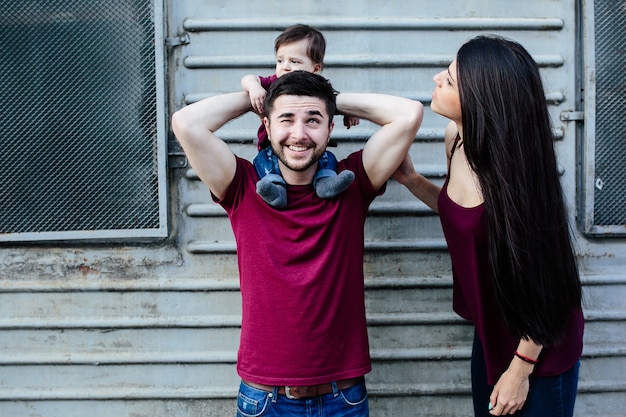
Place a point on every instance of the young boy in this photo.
(298, 48)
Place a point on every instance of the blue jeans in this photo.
(350, 402)
(326, 166)
(266, 163)
(549, 396)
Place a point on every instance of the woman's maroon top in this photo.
(474, 296)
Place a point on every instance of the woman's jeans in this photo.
(350, 402)
(549, 396)
(266, 164)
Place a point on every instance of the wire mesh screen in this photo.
(78, 116)
(610, 146)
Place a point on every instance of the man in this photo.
(304, 339)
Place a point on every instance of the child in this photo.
(298, 48)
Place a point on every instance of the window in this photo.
(603, 179)
(82, 154)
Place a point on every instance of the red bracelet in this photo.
(526, 358)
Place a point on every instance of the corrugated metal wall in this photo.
(152, 329)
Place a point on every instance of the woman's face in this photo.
(446, 100)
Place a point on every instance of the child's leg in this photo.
(266, 163)
(326, 166)
(327, 182)
(271, 186)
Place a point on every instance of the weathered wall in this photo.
(151, 329)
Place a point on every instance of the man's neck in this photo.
(292, 177)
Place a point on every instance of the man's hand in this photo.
(349, 121)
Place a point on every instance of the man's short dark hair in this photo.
(303, 83)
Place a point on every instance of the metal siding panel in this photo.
(152, 330)
(85, 153)
(396, 47)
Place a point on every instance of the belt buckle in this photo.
(288, 393)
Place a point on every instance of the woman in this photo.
(503, 216)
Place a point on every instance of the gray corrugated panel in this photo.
(188, 407)
(151, 329)
(378, 23)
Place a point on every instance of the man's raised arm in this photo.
(399, 118)
(195, 126)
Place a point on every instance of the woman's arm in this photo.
(511, 390)
(417, 184)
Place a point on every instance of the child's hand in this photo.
(349, 121)
(257, 96)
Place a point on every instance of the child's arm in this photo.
(251, 84)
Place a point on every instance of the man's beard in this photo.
(302, 165)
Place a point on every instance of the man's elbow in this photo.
(414, 116)
(180, 127)
(417, 114)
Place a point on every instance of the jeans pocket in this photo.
(251, 402)
(354, 395)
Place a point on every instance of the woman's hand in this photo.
(417, 184)
(404, 171)
(511, 390)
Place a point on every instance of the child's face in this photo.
(294, 57)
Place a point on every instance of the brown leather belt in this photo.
(309, 391)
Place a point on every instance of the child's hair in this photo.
(317, 43)
(303, 83)
(509, 144)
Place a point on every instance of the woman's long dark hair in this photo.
(509, 144)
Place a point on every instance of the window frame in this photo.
(588, 182)
(136, 234)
